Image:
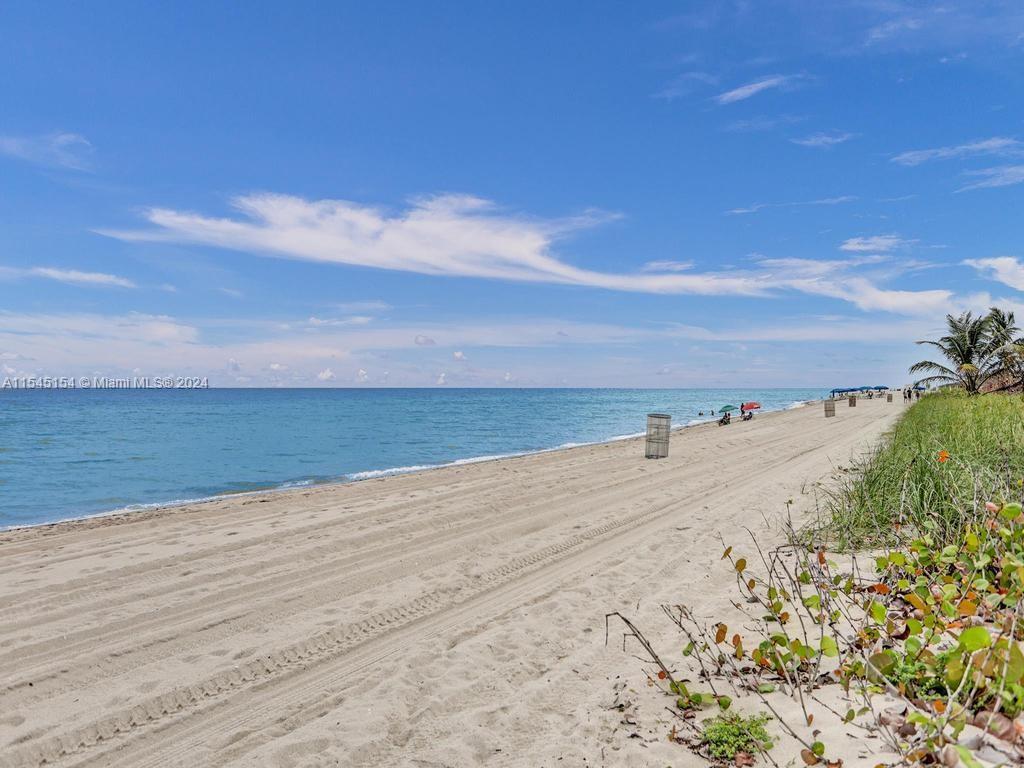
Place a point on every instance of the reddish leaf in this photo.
(721, 633)
(809, 757)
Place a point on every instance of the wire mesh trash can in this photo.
(888, 398)
(853, 401)
(830, 408)
(659, 426)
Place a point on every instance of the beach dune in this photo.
(452, 617)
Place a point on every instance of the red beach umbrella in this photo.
(751, 406)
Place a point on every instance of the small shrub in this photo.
(726, 735)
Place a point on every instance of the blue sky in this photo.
(505, 194)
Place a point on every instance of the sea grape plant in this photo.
(934, 630)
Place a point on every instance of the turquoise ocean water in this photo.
(71, 453)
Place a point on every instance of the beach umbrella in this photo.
(725, 408)
(752, 406)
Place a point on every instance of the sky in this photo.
(772, 193)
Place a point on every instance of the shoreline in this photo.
(453, 615)
(357, 477)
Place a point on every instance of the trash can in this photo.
(853, 401)
(888, 398)
(830, 408)
(659, 426)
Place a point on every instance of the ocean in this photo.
(74, 453)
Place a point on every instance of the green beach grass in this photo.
(947, 456)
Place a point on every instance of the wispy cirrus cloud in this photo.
(460, 236)
(834, 278)
(824, 140)
(320, 322)
(839, 200)
(892, 28)
(875, 244)
(755, 87)
(81, 278)
(60, 150)
(72, 276)
(667, 266)
(997, 145)
(452, 235)
(1000, 176)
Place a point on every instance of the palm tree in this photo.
(1006, 344)
(970, 349)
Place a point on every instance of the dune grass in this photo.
(947, 456)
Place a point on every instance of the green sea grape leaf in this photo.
(975, 638)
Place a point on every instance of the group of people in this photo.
(911, 394)
(726, 417)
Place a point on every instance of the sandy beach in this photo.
(453, 617)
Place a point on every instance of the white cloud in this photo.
(1005, 269)
(464, 236)
(507, 377)
(997, 145)
(361, 376)
(234, 293)
(832, 278)
(442, 379)
(1001, 176)
(278, 367)
(356, 320)
(891, 28)
(875, 244)
(755, 87)
(64, 150)
(821, 201)
(233, 365)
(823, 140)
(868, 297)
(797, 267)
(459, 355)
(667, 266)
(325, 375)
(423, 341)
(73, 276)
(452, 235)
